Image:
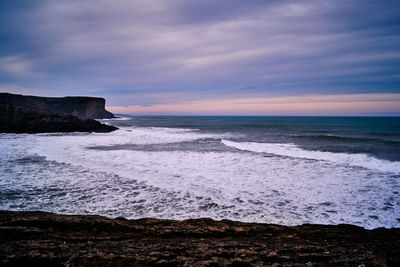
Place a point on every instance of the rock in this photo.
(98, 241)
(15, 119)
(82, 107)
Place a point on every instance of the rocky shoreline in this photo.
(14, 119)
(33, 114)
(33, 238)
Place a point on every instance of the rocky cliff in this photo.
(15, 119)
(83, 107)
(45, 239)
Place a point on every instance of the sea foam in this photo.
(291, 150)
(63, 173)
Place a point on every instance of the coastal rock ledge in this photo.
(38, 238)
(18, 120)
(31, 114)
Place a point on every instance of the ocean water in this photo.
(283, 170)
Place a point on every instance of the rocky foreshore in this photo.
(38, 238)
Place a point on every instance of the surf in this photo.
(294, 151)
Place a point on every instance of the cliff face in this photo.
(15, 119)
(83, 107)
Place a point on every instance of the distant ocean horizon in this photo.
(287, 170)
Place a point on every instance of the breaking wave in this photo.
(291, 150)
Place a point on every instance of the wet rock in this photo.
(38, 238)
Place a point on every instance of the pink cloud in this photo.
(295, 105)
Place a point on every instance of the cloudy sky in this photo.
(239, 57)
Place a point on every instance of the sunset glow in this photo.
(307, 105)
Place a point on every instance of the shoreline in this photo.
(32, 238)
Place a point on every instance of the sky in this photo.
(207, 57)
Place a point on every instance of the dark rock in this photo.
(83, 107)
(15, 119)
(25, 240)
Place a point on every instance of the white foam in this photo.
(191, 184)
(136, 135)
(291, 150)
(117, 119)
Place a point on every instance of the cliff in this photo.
(83, 107)
(15, 119)
(46, 239)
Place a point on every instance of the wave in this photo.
(330, 137)
(291, 150)
(57, 173)
(120, 119)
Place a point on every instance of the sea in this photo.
(280, 170)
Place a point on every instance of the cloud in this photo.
(16, 66)
(212, 49)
